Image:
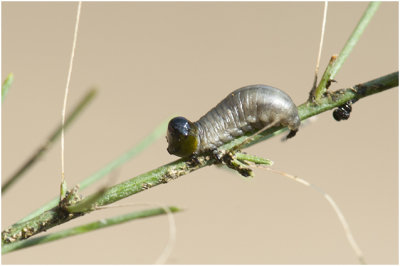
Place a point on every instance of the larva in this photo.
(247, 109)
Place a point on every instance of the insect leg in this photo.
(291, 134)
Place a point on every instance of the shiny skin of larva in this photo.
(247, 109)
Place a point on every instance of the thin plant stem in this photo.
(89, 96)
(86, 228)
(63, 187)
(321, 43)
(354, 37)
(346, 50)
(316, 92)
(131, 153)
(254, 159)
(181, 167)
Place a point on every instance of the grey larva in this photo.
(247, 109)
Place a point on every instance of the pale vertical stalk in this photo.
(66, 96)
(321, 43)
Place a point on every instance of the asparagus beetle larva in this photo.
(247, 109)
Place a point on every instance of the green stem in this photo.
(346, 50)
(180, 167)
(137, 149)
(252, 158)
(86, 205)
(354, 37)
(316, 93)
(6, 86)
(85, 228)
(51, 139)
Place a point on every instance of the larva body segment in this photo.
(247, 109)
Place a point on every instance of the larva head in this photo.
(181, 137)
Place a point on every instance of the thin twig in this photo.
(86, 228)
(316, 92)
(348, 47)
(321, 43)
(63, 186)
(354, 37)
(101, 173)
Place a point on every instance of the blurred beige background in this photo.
(154, 60)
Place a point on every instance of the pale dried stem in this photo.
(67, 88)
(321, 44)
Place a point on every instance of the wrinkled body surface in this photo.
(247, 109)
